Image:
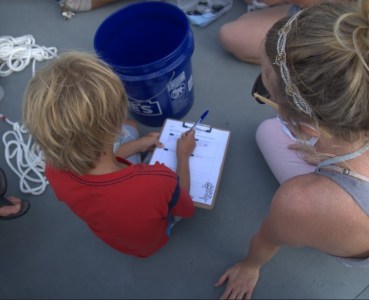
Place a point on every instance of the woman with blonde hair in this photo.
(315, 68)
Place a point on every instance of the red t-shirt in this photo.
(127, 209)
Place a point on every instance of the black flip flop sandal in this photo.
(3, 183)
(25, 205)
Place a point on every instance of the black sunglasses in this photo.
(260, 89)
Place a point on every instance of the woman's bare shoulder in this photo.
(304, 188)
(299, 207)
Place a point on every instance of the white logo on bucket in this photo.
(178, 91)
(176, 87)
(148, 107)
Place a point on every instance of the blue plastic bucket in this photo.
(149, 45)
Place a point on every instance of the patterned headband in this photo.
(280, 60)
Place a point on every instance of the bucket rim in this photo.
(187, 43)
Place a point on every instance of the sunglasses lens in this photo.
(260, 89)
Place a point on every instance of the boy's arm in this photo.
(185, 146)
(143, 144)
(183, 172)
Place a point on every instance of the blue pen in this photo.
(200, 120)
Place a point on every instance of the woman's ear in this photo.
(310, 131)
(313, 132)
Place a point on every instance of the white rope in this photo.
(17, 53)
(25, 158)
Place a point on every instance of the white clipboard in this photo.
(206, 162)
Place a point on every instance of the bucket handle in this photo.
(156, 95)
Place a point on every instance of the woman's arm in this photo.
(243, 276)
(284, 225)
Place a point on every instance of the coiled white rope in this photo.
(17, 53)
(23, 157)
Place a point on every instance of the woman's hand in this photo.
(242, 280)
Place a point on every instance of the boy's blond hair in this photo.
(74, 107)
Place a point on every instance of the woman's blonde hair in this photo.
(327, 56)
(74, 107)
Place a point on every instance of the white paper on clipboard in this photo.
(206, 162)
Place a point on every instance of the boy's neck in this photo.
(107, 163)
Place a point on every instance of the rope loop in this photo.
(17, 53)
(25, 158)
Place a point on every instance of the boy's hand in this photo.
(149, 142)
(186, 144)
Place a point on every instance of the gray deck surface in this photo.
(50, 253)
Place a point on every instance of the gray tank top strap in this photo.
(358, 189)
(346, 172)
(345, 157)
(355, 185)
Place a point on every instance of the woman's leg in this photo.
(243, 37)
(273, 144)
(100, 3)
(86, 5)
